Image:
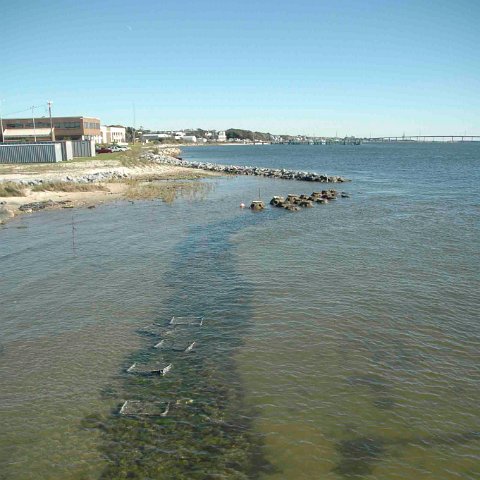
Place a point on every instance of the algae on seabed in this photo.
(207, 432)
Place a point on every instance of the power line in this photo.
(26, 110)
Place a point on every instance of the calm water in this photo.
(340, 342)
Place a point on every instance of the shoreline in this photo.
(130, 175)
(89, 182)
(276, 173)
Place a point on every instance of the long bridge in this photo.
(426, 138)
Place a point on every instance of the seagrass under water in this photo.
(207, 430)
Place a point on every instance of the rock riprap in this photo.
(37, 206)
(246, 170)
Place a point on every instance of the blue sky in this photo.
(315, 67)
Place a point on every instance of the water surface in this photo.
(345, 336)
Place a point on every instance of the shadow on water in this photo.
(207, 432)
(358, 456)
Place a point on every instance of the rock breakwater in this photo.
(293, 202)
(282, 173)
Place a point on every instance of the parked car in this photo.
(104, 150)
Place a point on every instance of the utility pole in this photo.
(134, 121)
(49, 103)
(34, 130)
(1, 120)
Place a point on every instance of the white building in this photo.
(112, 134)
(152, 137)
(222, 137)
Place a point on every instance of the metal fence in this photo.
(83, 148)
(67, 148)
(31, 153)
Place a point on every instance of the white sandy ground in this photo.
(57, 173)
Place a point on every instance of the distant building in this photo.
(222, 137)
(189, 138)
(65, 128)
(112, 134)
(152, 137)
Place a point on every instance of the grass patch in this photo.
(167, 191)
(128, 158)
(11, 189)
(69, 187)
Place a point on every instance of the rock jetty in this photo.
(245, 170)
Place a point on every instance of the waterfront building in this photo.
(152, 137)
(112, 134)
(64, 128)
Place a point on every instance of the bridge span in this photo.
(427, 138)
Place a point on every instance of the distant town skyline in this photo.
(312, 68)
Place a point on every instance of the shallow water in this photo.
(340, 341)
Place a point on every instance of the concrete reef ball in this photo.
(277, 201)
(293, 202)
(257, 205)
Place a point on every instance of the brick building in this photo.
(65, 128)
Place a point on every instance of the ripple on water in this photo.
(348, 339)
